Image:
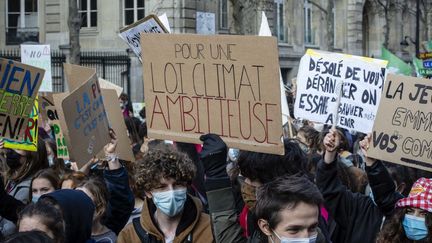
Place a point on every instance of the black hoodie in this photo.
(78, 211)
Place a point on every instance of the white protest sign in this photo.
(321, 77)
(131, 33)
(164, 20)
(265, 31)
(39, 56)
(137, 107)
(205, 23)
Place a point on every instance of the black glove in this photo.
(213, 156)
(2, 186)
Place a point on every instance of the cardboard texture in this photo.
(402, 132)
(104, 84)
(85, 119)
(39, 56)
(339, 89)
(31, 141)
(58, 98)
(225, 85)
(131, 33)
(18, 90)
(117, 123)
(76, 75)
(54, 121)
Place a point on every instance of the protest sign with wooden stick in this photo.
(402, 132)
(225, 85)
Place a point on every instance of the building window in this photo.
(281, 30)
(133, 11)
(21, 21)
(223, 14)
(308, 22)
(88, 11)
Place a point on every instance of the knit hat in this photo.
(420, 196)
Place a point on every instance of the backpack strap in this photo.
(142, 234)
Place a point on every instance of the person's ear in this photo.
(148, 194)
(264, 227)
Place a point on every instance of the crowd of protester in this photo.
(324, 188)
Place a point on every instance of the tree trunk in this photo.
(386, 28)
(244, 14)
(330, 25)
(74, 24)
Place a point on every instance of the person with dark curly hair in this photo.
(169, 214)
(412, 220)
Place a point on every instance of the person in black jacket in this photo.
(359, 219)
(262, 169)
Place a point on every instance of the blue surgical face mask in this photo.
(170, 202)
(415, 227)
(311, 239)
(35, 198)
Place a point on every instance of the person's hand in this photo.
(74, 166)
(213, 155)
(364, 146)
(86, 168)
(110, 148)
(331, 143)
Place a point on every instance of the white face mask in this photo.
(311, 239)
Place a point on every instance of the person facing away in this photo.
(169, 214)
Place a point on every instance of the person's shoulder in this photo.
(202, 230)
(127, 233)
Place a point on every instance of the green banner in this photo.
(395, 64)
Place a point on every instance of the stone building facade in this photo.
(349, 26)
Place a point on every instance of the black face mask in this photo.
(13, 159)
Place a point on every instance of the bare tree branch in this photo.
(318, 6)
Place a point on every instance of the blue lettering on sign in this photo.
(427, 64)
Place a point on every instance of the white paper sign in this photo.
(205, 23)
(321, 77)
(39, 56)
(137, 107)
(131, 34)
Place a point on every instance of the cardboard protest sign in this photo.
(77, 75)
(45, 99)
(60, 139)
(131, 33)
(86, 121)
(402, 132)
(62, 150)
(18, 89)
(30, 140)
(39, 56)
(225, 85)
(104, 84)
(325, 78)
(117, 123)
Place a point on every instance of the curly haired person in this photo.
(169, 214)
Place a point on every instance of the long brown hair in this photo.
(49, 175)
(393, 231)
(34, 161)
